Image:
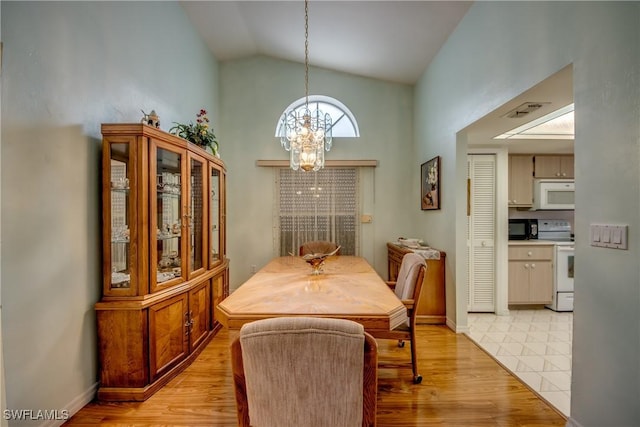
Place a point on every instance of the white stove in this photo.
(559, 231)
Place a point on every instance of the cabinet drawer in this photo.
(531, 252)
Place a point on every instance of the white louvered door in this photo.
(481, 176)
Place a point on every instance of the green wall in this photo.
(67, 67)
(81, 64)
(254, 93)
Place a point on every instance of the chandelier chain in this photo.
(307, 134)
(306, 52)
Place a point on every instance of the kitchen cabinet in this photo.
(432, 306)
(530, 274)
(520, 180)
(559, 166)
(164, 260)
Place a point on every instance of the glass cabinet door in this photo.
(167, 234)
(120, 217)
(196, 214)
(214, 216)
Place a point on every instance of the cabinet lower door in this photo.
(200, 314)
(519, 282)
(168, 334)
(541, 291)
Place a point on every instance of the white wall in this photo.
(499, 50)
(254, 93)
(67, 68)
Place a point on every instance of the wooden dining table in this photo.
(347, 288)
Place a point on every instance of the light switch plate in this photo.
(612, 236)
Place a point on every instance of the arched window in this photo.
(344, 122)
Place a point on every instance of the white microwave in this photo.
(553, 194)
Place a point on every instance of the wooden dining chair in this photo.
(305, 372)
(407, 287)
(318, 247)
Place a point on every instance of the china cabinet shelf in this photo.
(173, 236)
(164, 266)
(169, 195)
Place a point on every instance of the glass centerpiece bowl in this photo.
(316, 261)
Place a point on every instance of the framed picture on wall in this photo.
(430, 184)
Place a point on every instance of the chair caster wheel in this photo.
(400, 343)
(417, 379)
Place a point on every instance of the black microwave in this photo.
(523, 229)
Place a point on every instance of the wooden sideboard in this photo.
(432, 305)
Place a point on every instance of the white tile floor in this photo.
(535, 345)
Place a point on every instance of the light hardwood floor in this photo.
(462, 386)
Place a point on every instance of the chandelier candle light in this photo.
(307, 134)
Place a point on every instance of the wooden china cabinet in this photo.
(163, 258)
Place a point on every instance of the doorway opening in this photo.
(532, 341)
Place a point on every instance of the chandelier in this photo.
(306, 133)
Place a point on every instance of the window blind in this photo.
(322, 205)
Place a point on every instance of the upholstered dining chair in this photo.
(407, 287)
(305, 372)
(318, 247)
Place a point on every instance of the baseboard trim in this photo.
(503, 312)
(572, 423)
(431, 319)
(452, 325)
(75, 405)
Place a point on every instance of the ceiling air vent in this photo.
(524, 109)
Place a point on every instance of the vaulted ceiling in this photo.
(387, 40)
